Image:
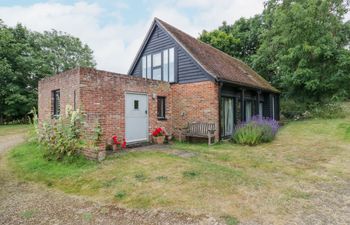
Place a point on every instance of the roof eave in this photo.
(248, 86)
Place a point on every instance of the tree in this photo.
(25, 58)
(303, 48)
(240, 40)
(62, 51)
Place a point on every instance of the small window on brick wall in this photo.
(161, 107)
(75, 100)
(56, 106)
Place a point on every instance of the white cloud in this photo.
(115, 43)
(212, 13)
(209, 14)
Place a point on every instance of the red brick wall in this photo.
(100, 95)
(195, 102)
(67, 82)
(103, 98)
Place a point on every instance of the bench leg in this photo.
(209, 139)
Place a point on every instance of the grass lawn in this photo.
(13, 129)
(270, 181)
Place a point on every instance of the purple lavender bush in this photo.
(256, 131)
(270, 127)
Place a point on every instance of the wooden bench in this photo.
(200, 130)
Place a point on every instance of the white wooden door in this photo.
(136, 117)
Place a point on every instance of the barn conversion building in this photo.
(174, 80)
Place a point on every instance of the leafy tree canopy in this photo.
(301, 46)
(239, 40)
(26, 57)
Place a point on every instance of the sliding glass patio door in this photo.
(227, 117)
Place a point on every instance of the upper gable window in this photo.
(144, 67)
(149, 67)
(156, 67)
(159, 66)
(166, 65)
(171, 65)
(157, 59)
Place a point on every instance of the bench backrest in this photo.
(200, 128)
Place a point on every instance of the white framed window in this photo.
(159, 66)
(144, 66)
(157, 73)
(171, 65)
(166, 65)
(157, 60)
(149, 67)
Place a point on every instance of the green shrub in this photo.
(292, 109)
(250, 134)
(61, 138)
(267, 133)
(330, 110)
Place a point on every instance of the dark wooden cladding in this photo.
(186, 69)
(157, 42)
(255, 98)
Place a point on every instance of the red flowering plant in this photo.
(158, 132)
(124, 143)
(118, 144)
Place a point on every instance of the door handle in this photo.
(145, 111)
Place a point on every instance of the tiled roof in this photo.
(217, 63)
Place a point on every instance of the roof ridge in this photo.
(184, 47)
(222, 52)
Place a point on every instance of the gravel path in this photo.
(29, 203)
(6, 142)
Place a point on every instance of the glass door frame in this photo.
(222, 116)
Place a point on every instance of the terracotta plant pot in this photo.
(159, 140)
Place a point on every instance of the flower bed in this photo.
(257, 130)
(158, 135)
